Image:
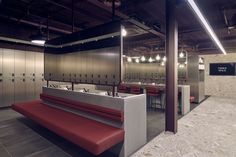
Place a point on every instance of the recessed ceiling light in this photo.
(38, 38)
(40, 42)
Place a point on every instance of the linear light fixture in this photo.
(204, 22)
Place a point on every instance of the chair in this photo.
(134, 89)
(122, 88)
(153, 93)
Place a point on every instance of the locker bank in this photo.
(114, 78)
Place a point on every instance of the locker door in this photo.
(19, 92)
(1, 92)
(30, 64)
(8, 63)
(39, 83)
(39, 64)
(8, 91)
(1, 53)
(19, 63)
(1, 98)
(29, 88)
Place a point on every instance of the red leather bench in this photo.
(93, 109)
(94, 136)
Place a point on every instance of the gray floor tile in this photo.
(50, 152)
(3, 152)
(27, 147)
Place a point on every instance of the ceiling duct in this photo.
(109, 3)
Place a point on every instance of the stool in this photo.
(192, 98)
(153, 92)
(135, 89)
(122, 88)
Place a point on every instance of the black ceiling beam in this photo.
(81, 11)
(77, 27)
(127, 18)
(36, 24)
(61, 30)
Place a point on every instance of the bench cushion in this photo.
(91, 135)
(89, 108)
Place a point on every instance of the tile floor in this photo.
(208, 131)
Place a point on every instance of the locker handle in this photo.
(0, 80)
(12, 80)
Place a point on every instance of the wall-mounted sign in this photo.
(225, 69)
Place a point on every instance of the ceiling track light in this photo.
(123, 32)
(158, 57)
(164, 58)
(207, 26)
(181, 55)
(150, 60)
(129, 59)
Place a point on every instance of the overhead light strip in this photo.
(208, 28)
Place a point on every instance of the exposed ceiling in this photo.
(21, 18)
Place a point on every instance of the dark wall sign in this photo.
(223, 69)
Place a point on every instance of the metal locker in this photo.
(8, 63)
(39, 64)
(83, 59)
(103, 66)
(89, 67)
(19, 90)
(8, 91)
(96, 68)
(1, 92)
(30, 64)
(68, 66)
(58, 67)
(52, 66)
(1, 57)
(39, 83)
(19, 63)
(78, 67)
(29, 88)
(1, 79)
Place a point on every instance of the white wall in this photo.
(223, 86)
